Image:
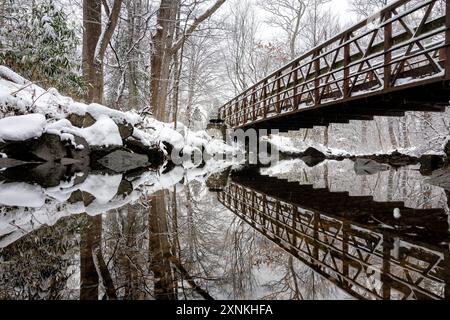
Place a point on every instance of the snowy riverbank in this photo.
(29, 111)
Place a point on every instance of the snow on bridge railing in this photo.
(405, 44)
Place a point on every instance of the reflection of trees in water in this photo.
(160, 249)
(297, 282)
(231, 260)
(37, 266)
(197, 241)
(171, 245)
(125, 235)
(241, 252)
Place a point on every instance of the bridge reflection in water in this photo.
(354, 242)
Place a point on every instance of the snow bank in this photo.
(102, 133)
(22, 128)
(21, 194)
(102, 187)
(97, 111)
(19, 96)
(287, 145)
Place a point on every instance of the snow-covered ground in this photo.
(294, 146)
(291, 146)
(29, 110)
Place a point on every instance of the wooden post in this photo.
(294, 226)
(296, 100)
(447, 39)
(345, 247)
(236, 112)
(387, 54)
(278, 92)
(316, 78)
(386, 267)
(254, 98)
(346, 68)
(265, 99)
(244, 107)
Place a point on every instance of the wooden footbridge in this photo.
(398, 60)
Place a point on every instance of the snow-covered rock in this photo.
(21, 128)
(22, 98)
(12, 194)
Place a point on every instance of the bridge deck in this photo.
(393, 62)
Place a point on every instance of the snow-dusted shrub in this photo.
(38, 41)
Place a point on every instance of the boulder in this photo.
(47, 175)
(10, 163)
(49, 148)
(76, 120)
(88, 120)
(126, 130)
(398, 159)
(314, 153)
(81, 196)
(440, 178)
(312, 157)
(81, 152)
(154, 154)
(125, 188)
(430, 163)
(122, 161)
(368, 167)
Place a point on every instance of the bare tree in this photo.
(164, 48)
(287, 15)
(95, 43)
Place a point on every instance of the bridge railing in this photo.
(405, 44)
(365, 263)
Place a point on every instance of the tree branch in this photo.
(208, 13)
(106, 7)
(103, 42)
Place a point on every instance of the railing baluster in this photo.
(254, 98)
(316, 78)
(296, 98)
(387, 52)
(346, 67)
(278, 92)
(265, 100)
(447, 39)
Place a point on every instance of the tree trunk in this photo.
(131, 63)
(161, 57)
(92, 71)
(91, 236)
(364, 133)
(392, 137)
(160, 249)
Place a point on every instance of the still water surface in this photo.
(288, 231)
